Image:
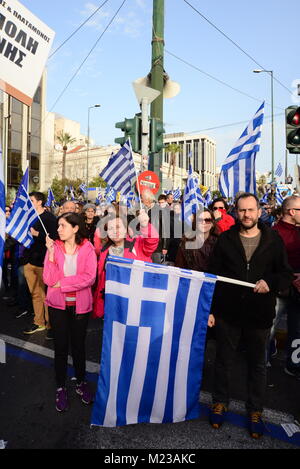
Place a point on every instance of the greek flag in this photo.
(72, 193)
(208, 198)
(22, 217)
(120, 170)
(278, 197)
(238, 171)
(177, 194)
(24, 183)
(279, 170)
(50, 199)
(110, 195)
(83, 188)
(264, 199)
(2, 213)
(192, 197)
(153, 343)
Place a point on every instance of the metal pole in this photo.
(157, 75)
(145, 131)
(272, 112)
(87, 152)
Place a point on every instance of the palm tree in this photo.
(64, 139)
(172, 148)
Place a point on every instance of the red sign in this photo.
(148, 180)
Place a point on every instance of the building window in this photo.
(188, 151)
(196, 155)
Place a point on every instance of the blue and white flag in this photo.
(279, 170)
(238, 171)
(50, 199)
(2, 212)
(177, 194)
(120, 170)
(83, 188)
(22, 217)
(153, 345)
(110, 195)
(208, 198)
(264, 199)
(192, 197)
(278, 197)
(72, 193)
(24, 182)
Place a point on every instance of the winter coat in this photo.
(140, 248)
(240, 305)
(225, 222)
(80, 283)
(195, 259)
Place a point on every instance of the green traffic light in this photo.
(294, 138)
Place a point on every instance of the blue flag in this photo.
(192, 197)
(50, 198)
(238, 171)
(2, 213)
(22, 217)
(153, 343)
(24, 183)
(279, 170)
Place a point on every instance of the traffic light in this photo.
(131, 128)
(292, 125)
(156, 135)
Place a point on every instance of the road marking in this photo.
(91, 367)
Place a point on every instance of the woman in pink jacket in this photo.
(119, 243)
(69, 272)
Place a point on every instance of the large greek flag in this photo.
(153, 343)
(2, 213)
(238, 171)
(120, 170)
(22, 217)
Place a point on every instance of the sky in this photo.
(263, 29)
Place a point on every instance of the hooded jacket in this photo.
(140, 248)
(80, 283)
(240, 305)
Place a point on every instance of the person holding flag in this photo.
(33, 268)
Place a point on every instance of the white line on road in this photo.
(91, 367)
(270, 415)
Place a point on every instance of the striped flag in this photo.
(192, 197)
(2, 212)
(120, 170)
(110, 195)
(238, 171)
(264, 199)
(279, 170)
(83, 187)
(153, 345)
(208, 198)
(24, 182)
(177, 194)
(50, 199)
(278, 197)
(22, 217)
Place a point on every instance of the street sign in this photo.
(148, 180)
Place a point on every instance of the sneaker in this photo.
(217, 415)
(61, 400)
(255, 425)
(49, 334)
(34, 328)
(21, 313)
(295, 373)
(82, 390)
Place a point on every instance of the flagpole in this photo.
(137, 182)
(47, 234)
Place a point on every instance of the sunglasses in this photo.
(218, 208)
(205, 220)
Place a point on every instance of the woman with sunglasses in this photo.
(195, 248)
(223, 220)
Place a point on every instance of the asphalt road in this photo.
(29, 419)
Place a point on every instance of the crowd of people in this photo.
(59, 281)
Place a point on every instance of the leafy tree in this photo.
(97, 182)
(172, 148)
(65, 139)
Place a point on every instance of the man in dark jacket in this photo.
(33, 268)
(250, 252)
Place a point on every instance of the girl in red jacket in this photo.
(119, 243)
(69, 271)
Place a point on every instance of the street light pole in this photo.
(88, 147)
(272, 116)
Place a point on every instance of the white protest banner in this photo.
(25, 43)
